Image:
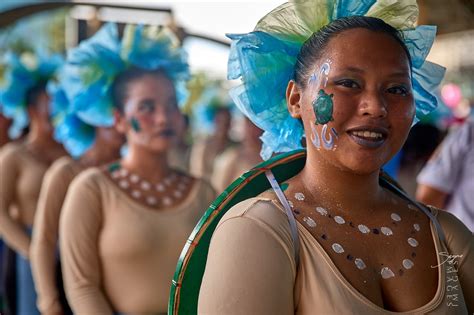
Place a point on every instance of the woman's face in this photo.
(150, 113)
(361, 91)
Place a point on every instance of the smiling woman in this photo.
(355, 88)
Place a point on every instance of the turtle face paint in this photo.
(323, 108)
(135, 124)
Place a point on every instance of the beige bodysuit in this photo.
(45, 235)
(21, 175)
(119, 255)
(251, 269)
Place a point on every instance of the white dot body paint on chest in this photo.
(299, 196)
(360, 264)
(386, 273)
(386, 231)
(337, 248)
(395, 217)
(322, 211)
(363, 229)
(416, 226)
(412, 242)
(310, 222)
(339, 219)
(407, 264)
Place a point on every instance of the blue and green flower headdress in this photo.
(91, 68)
(264, 60)
(206, 97)
(23, 72)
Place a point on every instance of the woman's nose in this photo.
(373, 104)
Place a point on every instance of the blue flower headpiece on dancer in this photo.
(93, 66)
(75, 135)
(265, 58)
(24, 72)
(206, 97)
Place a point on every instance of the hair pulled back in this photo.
(314, 47)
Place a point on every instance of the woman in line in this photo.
(91, 145)
(354, 84)
(123, 226)
(23, 164)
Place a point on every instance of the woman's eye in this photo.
(348, 83)
(146, 107)
(399, 90)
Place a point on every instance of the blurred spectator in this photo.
(420, 145)
(447, 180)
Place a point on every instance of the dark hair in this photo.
(119, 88)
(33, 93)
(314, 47)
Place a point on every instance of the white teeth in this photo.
(367, 134)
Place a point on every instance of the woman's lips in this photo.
(370, 137)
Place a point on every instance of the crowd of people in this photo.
(102, 180)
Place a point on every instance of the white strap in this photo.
(293, 228)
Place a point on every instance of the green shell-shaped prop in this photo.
(323, 108)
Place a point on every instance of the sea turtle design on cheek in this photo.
(323, 108)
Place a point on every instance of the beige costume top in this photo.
(261, 277)
(45, 235)
(117, 254)
(178, 158)
(21, 175)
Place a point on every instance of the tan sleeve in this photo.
(460, 241)
(249, 267)
(79, 228)
(45, 235)
(13, 233)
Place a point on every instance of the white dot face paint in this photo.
(412, 242)
(395, 217)
(310, 222)
(322, 211)
(386, 273)
(360, 264)
(363, 229)
(299, 196)
(386, 231)
(339, 219)
(416, 226)
(337, 248)
(407, 264)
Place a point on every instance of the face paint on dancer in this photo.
(323, 108)
(135, 124)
